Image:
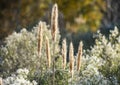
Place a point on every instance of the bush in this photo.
(108, 49)
(21, 48)
(20, 78)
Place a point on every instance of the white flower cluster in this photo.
(20, 78)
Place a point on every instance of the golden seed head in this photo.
(64, 52)
(54, 22)
(40, 38)
(71, 58)
(48, 52)
(79, 56)
(1, 83)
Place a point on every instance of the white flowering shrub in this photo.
(101, 64)
(19, 78)
(89, 72)
(107, 52)
(21, 50)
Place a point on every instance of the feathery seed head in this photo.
(79, 55)
(54, 22)
(40, 38)
(64, 53)
(48, 52)
(71, 58)
(1, 83)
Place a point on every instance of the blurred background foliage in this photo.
(16, 14)
(78, 19)
(79, 15)
(82, 15)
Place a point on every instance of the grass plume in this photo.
(48, 52)
(71, 59)
(40, 38)
(1, 83)
(54, 21)
(79, 56)
(64, 53)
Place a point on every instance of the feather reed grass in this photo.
(40, 38)
(79, 56)
(71, 58)
(64, 53)
(54, 21)
(1, 82)
(48, 52)
(54, 30)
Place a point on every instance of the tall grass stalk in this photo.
(64, 53)
(79, 56)
(54, 29)
(71, 59)
(48, 52)
(40, 38)
(1, 82)
(54, 21)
